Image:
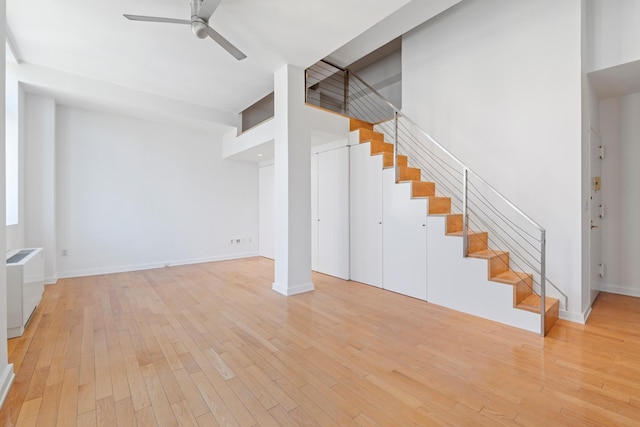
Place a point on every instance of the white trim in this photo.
(5, 382)
(575, 317)
(51, 280)
(294, 290)
(149, 266)
(622, 290)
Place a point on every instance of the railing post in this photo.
(395, 145)
(306, 87)
(346, 92)
(543, 281)
(465, 214)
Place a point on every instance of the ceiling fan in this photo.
(201, 11)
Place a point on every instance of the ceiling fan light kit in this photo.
(201, 11)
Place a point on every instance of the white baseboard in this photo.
(575, 317)
(294, 290)
(5, 382)
(622, 290)
(149, 266)
(51, 280)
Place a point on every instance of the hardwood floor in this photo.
(212, 344)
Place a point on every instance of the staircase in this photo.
(497, 262)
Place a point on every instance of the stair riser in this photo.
(439, 205)
(477, 242)
(378, 147)
(403, 160)
(409, 174)
(521, 291)
(551, 317)
(454, 223)
(498, 264)
(355, 124)
(423, 189)
(369, 135)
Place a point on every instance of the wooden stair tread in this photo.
(511, 277)
(532, 303)
(487, 254)
(469, 233)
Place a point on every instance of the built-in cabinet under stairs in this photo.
(447, 288)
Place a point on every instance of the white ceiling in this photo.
(92, 39)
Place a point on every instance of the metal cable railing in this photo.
(482, 207)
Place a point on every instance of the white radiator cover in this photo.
(25, 285)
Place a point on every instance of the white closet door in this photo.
(333, 212)
(405, 239)
(366, 216)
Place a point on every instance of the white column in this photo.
(292, 181)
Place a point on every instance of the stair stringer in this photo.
(461, 283)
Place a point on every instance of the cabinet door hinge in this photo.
(601, 152)
(601, 268)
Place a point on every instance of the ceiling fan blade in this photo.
(207, 7)
(157, 19)
(226, 44)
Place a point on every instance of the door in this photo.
(596, 212)
(333, 212)
(366, 216)
(404, 234)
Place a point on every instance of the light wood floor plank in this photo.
(212, 344)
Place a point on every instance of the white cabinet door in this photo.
(405, 239)
(333, 212)
(366, 216)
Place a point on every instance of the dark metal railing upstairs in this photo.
(482, 207)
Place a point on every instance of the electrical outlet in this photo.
(237, 240)
(232, 241)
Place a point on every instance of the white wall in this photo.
(12, 125)
(385, 76)
(15, 132)
(133, 194)
(39, 185)
(6, 370)
(614, 33)
(498, 83)
(620, 132)
(267, 210)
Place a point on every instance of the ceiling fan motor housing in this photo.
(199, 27)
